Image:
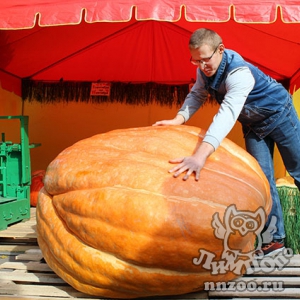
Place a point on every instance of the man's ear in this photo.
(221, 48)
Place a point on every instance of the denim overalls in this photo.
(268, 118)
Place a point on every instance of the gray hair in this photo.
(204, 36)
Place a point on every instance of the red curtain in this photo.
(142, 41)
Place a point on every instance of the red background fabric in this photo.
(141, 41)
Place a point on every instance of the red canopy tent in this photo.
(140, 41)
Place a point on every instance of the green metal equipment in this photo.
(15, 176)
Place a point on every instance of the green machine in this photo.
(15, 176)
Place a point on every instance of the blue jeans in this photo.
(286, 136)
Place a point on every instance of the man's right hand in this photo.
(178, 120)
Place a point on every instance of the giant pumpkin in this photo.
(113, 222)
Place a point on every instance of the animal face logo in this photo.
(238, 223)
(244, 222)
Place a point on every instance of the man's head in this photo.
(206, 50)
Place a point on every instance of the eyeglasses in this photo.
(203, 60)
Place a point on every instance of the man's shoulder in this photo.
(233, 54)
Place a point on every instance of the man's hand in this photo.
(189, 164)
(178, 120)
(192, 164)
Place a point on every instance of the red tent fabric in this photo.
(17, 14)
(141, 41)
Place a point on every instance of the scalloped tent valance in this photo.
(140, 41)
(17, 14)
